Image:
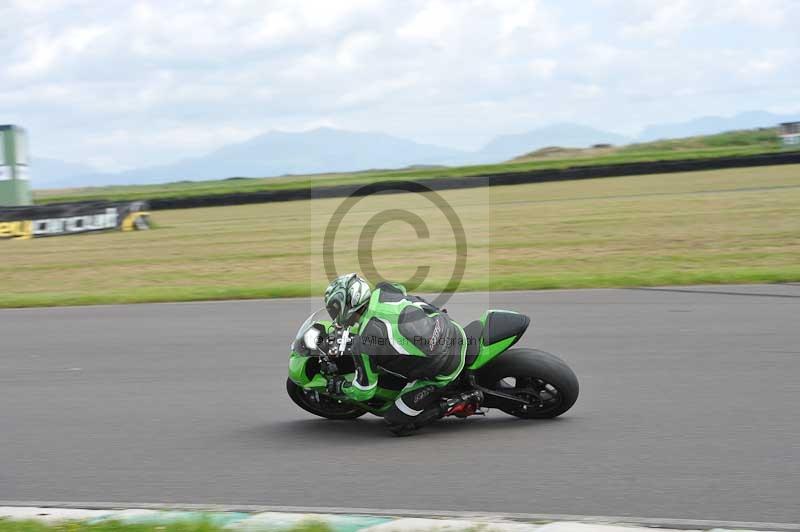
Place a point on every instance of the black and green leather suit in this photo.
(406, 336)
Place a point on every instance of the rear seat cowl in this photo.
(501, 324)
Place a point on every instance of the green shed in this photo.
(15, 187)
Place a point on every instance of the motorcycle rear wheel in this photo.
(539, 377)
(320, 404)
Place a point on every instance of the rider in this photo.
(403, 335)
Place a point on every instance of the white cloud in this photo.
(767, 13)
(42, 51)
(99, 80)
(429, 24)
(376, 90)
(353, 48)
(664, 19)
(542, 67)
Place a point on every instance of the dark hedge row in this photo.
(515, 178)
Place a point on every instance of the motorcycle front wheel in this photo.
(321, 405)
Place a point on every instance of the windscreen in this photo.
(319, 315)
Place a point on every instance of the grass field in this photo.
(740, 225)
(736, 143)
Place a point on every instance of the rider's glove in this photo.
(335, 385)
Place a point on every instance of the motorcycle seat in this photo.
(499, 325)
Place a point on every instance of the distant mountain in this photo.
(333, 150)
(53, 173)
(708, 125)
(279, 153)
(318, 151)
(506, 147)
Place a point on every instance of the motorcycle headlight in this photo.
(311, 338)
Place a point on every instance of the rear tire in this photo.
(323, 406)
(538, 376)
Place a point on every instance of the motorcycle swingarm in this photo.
(494, 393)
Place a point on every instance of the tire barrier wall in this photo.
(24, 223)
(511, 178)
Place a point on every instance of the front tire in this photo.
(320, 404)
(539, 377)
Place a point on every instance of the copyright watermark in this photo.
(416, 274)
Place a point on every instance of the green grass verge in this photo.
(505, 283)
(737, 143)
(115, 526)
(726, 226)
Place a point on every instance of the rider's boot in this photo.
(462, 405)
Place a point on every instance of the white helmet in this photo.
(345, 296)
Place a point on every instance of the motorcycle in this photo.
(526, 383)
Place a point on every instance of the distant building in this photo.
(789, 132)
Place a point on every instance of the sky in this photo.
(120, 84)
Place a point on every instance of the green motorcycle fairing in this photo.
(489, 347)
(307, 377)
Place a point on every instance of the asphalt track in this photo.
(689, 408)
